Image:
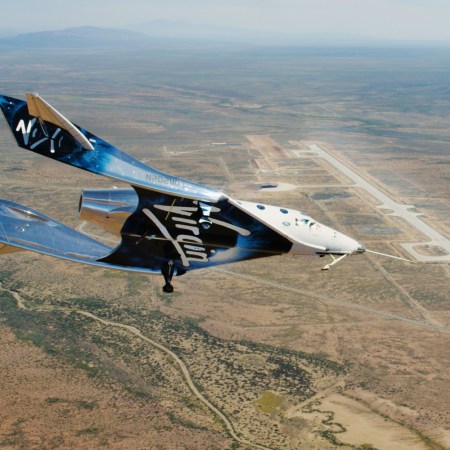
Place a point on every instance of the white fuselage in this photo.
(308, 236)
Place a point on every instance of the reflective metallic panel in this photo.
(108, 208)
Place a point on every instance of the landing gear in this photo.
(336, 259)
(167, 270)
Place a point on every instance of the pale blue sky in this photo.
(388, 19)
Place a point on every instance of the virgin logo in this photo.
(188, 244)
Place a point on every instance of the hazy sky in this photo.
(398, 19)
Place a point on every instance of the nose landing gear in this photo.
(335, 260)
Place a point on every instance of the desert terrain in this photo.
(272, 353)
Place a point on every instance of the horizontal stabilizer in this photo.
(22, 228)
(38, 107)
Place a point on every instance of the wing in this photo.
(40, 128)
(22, 228)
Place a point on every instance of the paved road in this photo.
(397, 209)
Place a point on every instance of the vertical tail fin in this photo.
(39, 108)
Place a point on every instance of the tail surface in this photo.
(38, 127)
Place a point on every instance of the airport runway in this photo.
(397, 210)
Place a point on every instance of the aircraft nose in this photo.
(345, 244)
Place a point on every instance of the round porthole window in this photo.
(260, 206)
(286, 224)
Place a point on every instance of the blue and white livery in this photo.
(166, 224)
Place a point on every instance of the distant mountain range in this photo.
(158, 31)
(144, 33)
(178, 29)
(81, 36)
(167, 29)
